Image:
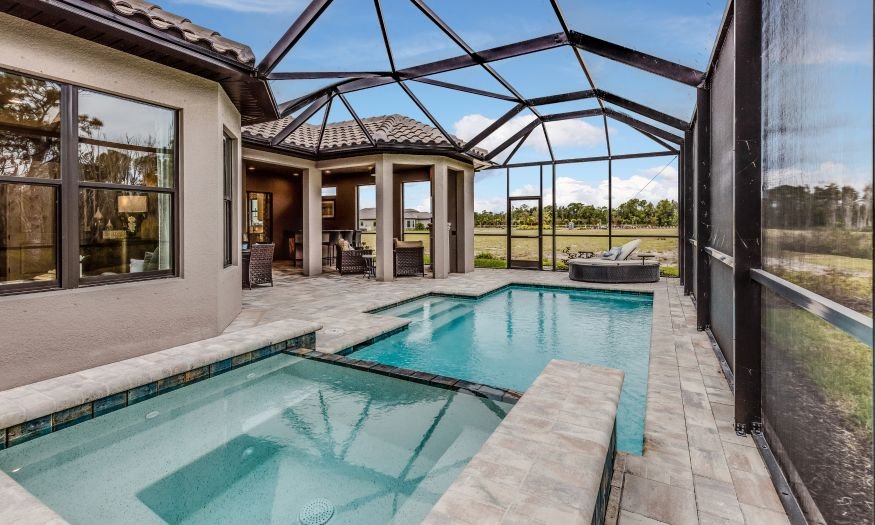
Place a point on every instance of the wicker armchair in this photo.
(409, 258)
(260, 265)
(350, 261)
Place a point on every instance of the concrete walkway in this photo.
(695, 469)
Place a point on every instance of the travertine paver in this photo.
(695, 469)
(544, 462)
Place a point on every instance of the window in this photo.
(100, 168)
(127, 172)
(227, 198)
(30, 181)
(259, 227)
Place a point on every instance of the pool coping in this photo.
(502, 287)
(549, 461)
(462, 386)
(37, 409)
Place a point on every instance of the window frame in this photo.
(229, 176)
(68, 187)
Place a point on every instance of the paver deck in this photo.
(694, 470)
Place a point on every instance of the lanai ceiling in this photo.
(536, 90)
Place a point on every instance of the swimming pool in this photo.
(276, 441)
(506, 338)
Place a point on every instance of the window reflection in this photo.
(125, 142)
(124, 232)
(260, 217)
(27, 233)
(29, 127)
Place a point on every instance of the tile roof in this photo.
(179, 26)
(386, 129)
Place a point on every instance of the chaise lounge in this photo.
(615, 266)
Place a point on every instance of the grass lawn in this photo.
(486, 242)
(838, 363)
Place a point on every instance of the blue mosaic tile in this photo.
(198, 374)
(220, 367)
(71, 416)
(266, 351)
(142, 393)
(277, 347)
(29, 430)
(241, 359)
(2, 438)
(168, 384)
(108, 404)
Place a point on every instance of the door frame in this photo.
(510, 236)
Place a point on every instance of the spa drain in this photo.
(316, 512)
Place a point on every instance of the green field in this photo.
(494, 242)
(490, 244)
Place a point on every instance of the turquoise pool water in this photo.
(257, 445)
(506, 338)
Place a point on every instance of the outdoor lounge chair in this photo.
(350, 260)
(409, 257)
(260, 269)
(615, 267)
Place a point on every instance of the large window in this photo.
(87, 186)
(30, 181)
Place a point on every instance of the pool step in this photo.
(417, 310)
(443, 319)
(420, 501)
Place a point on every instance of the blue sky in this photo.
(347, 37)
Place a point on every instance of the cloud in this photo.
(569, 189)
(563, 133)
(251, 6)
(493, 204)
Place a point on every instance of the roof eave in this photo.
(251, 95)
(359, 150)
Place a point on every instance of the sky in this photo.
(347, 37)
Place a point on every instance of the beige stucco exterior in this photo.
(47, 334)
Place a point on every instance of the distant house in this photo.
(413, 218)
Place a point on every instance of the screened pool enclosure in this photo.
(748, 172)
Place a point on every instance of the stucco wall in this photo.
(52, 333)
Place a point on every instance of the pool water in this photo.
(281, 441)
(506, 338)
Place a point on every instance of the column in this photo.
(312, 197)
(466, 227)
(440, 257)
(385, 220)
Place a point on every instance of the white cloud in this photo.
(569, 189)
(252, 6)
(493, 204)
(563, 133)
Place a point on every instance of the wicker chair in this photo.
(409, 258)
(350, 261)
(261, 265)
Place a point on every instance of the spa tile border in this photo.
(448, 383)
(545, 287)
(62, 419)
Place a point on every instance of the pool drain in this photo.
(316, 512)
